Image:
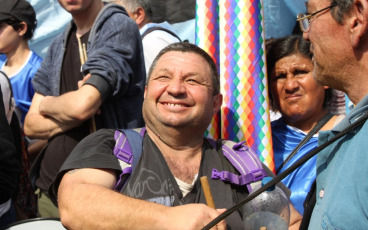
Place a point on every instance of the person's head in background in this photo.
(17, 24)
(139, 10)
(292, 89)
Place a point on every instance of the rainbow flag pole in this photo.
(241, 61)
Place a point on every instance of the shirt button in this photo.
(321, 193)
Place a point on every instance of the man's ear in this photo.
(23, 29)
(217, 102)
(358, 22)
(140, 17)
(145, 92)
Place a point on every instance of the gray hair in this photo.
(342, 9)
(132, 5)
(187, 47)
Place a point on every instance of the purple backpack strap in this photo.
(123, 151)
(244, 160)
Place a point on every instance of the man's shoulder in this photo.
(114, 11)
(113, 17)
(358, 111)
(162, 31)
(102, 132)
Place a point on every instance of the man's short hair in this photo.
(132, 5)
(342, 9)
(187, 47)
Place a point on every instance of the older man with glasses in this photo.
(338, 31)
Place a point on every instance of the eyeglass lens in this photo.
(304, 23)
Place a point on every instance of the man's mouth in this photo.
(174, 105)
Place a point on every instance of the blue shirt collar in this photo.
(358, 111)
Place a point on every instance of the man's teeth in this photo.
(174, 105)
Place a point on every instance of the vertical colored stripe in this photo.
(207, 37)
(241, 61)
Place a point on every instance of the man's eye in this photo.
(162, 77)
(192, 81)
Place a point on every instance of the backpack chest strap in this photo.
(244, 160)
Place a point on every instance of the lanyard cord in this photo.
(282, 175)
(315, 129)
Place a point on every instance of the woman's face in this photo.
(296, 93)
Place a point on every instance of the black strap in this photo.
(159, 28)
(309, 203)
(315, 129)
(282, 175)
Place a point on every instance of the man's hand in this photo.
(81, 82)
(193, 216)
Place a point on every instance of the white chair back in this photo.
(36, 224)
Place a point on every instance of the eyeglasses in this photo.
(305, 19)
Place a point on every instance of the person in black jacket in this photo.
(9, 168)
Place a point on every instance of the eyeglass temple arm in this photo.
(310, 15)
(307, 16)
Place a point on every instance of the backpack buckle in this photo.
(127, 157)
(257, 174)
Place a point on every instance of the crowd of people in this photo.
(114, 69)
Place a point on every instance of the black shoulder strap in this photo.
(309, 203)
(159, 28)
(315, 129)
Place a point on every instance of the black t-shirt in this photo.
(60, 146)
(153, 181)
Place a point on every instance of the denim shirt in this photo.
(115, 61)
(342, 185)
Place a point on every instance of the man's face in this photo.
(9, 38)
(75, 6)
(179, 93)
(328, 43)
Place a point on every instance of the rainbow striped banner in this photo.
(239, 52)
(209, 17)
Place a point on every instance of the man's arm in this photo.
(73, 107)
(86, 201)
(50, 115)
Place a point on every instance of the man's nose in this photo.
(176, 87)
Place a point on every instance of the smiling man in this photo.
(338, 31)
(181, 96)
